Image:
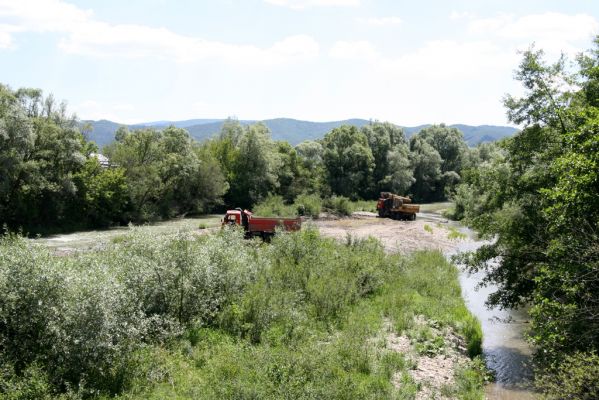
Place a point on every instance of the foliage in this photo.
(274, 206)
(40, 150)
(392, 170)
(426, 162)
(438, 166)
(348, 161)
(538, 195)
(309, 205)
(254, 170)
(103, 193)
(182, 315)
(52, 180)
(166, 173)
(338, 205)
(574, 377)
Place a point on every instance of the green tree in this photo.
(389, 150)
(140, 154)
(253, 174)
(41, 148)
(541, 204)
(426, 162)
(103, 194)
(348, 161)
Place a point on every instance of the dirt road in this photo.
(427, 232)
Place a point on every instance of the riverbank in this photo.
(506, 351)
(411, 338)
(315, 317)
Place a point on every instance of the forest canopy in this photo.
(53, 178)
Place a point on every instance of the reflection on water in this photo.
(505, 350)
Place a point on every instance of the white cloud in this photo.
(554, 32)
(358, 50)
(381, 21)
(439, 59)
(456, 15)
(6, 41)
(301, 4)
(85, 35)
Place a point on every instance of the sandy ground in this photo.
(427, 232)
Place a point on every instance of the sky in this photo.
(408, 62)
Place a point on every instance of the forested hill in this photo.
(292, 130)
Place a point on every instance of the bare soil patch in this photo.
(396, 236)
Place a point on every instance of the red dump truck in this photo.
(263, 227)
(396, 207)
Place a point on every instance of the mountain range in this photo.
(292, 130)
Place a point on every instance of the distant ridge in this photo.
(291, 130)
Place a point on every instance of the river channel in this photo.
(505, 350)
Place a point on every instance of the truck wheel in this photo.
(413, 217)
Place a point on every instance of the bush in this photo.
(213, 316)
(574, 377)
(82, 320)
(308, 205)
(77, 327)
(274, 206)
(308, 277)
(338, 205)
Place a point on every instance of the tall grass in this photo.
(214, 316)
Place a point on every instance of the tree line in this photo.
(537, 195)
(52, 178)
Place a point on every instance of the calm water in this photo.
(504, 347)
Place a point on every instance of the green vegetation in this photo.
(183, 316)
(538, 195)
(55, 180)
(455, 234)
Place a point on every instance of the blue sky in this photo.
(406, 62)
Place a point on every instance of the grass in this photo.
(455, 234)
(364, 205)
(327, 352)
(182, 316)
(428, 228)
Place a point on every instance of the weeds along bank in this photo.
(214, 316)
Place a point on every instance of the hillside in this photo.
(292, 130)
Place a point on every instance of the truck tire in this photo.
(413, 217)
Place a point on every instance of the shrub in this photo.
(308, 205)
(77, 327)
(338, 205)
(83, 319)
(574, 377)
(274, 206)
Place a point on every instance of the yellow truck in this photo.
(396, 207)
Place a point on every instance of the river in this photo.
(505, 350)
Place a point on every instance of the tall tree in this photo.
(541, 205)
(348, 161)
(254, 171)
(426, 162)
(391, 163)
